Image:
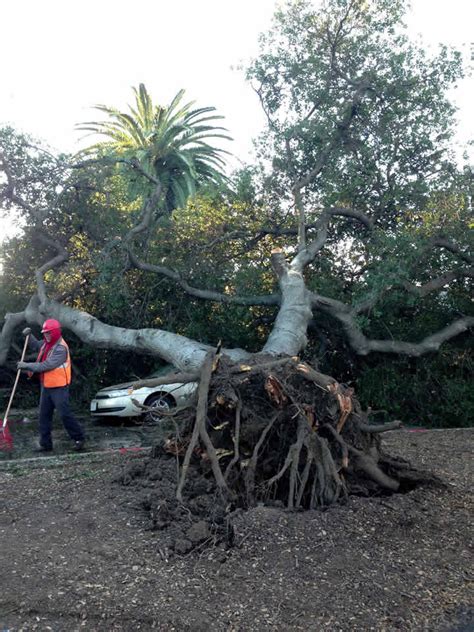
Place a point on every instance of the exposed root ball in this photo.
(276, 429)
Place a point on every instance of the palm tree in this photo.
(170, 143)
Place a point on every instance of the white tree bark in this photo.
(288, 335)
(182, 352)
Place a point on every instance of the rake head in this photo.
(6, 439)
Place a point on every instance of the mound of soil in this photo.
(99, 544)
(202, 521)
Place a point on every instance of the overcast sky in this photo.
(59, 58)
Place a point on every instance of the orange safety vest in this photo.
(61, 375)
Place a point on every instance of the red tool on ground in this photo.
(6, 439)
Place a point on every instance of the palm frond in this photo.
(173, 143)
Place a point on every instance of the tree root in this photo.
(199, 430)
(394, 425)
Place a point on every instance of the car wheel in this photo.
(161, 402)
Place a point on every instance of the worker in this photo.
(54, 368)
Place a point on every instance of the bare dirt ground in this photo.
(80, 551)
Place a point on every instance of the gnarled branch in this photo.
(211, 295)
(363, 345)
(56, 261)
(6, 335)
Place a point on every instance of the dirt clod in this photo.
(198, 532)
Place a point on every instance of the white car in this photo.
(116, 401)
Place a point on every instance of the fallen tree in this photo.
(266, 424)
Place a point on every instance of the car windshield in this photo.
(164, 370)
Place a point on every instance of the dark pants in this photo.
(58, 398)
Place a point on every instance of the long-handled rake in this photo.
(6, 439)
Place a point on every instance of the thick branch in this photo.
(278, 259)
(340, 130)
(147, 215)
(271, 299)
(340, 211)
(442, 242)
(61, 256)
(439, 282)
(6, 335)
(251, 239)
(306, 255)
(363, 345)
(431, 286)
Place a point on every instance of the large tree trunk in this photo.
(288, 335)
(184, 353)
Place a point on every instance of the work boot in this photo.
(78, 445)
(41, 449)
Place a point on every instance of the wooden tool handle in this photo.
(5, 419)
